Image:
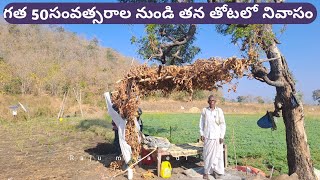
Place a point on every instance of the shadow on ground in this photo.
(87, 123)
(103, 153)
(101, 149)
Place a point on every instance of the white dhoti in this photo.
(213, 156)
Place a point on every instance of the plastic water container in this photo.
(166, 169)
(130, 173)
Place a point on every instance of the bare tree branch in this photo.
(182, 40)
(259, 79)
(277, 83)
(271, 59)
(165, 48)
(171, 38)
(260, 73)
(176, 55)
(287, 75)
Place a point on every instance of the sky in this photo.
(299, 44)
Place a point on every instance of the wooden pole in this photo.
(78, 99)
(63, 104)
(80, 104)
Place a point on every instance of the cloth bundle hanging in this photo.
(121, 124)
(267, 121)
(152, 141)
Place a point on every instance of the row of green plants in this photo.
(247, 143)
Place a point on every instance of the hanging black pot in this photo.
(294, 100)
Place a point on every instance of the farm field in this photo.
(250, 144)
(76, 148)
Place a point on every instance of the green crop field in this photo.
(247, 143)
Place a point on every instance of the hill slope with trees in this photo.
(37, 60)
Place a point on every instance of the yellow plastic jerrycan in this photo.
(166, 169)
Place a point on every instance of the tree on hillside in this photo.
(316, 95)
(253, 40)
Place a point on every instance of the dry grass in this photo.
(45, 106)
(167, 105)
(48, 106)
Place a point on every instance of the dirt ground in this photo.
(49, 149)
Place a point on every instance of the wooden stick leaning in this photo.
(122, 172)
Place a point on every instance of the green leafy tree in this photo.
(169, 44)
(164, 43)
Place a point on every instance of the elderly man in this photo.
(212, 131)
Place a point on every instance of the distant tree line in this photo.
(250, 99)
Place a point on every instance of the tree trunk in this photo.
(298, 154)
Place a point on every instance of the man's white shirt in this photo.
(212, 123)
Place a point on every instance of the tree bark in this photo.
(298, 153)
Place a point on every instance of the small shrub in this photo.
(102, 104)
(199, 95)
(43, 111)
(13, 87)
(179, 96)
(88, 98)
(154, 96)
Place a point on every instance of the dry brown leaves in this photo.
(115, 165)
(148, 175)
(143, 80)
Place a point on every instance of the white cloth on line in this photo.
(213, 156)
(121, 124)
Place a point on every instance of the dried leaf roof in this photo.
(143, 80)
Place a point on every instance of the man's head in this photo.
(212, 101)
